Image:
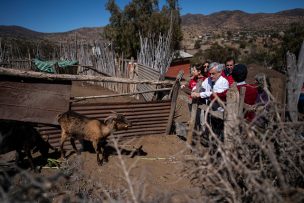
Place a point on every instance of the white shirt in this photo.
(220, 85)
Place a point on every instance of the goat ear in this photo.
(58, 116)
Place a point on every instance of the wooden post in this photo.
(173, 106)
(175, 90)
(193, 114)
(295, 72)
(241, 106)
(231, 117)
(76, 51)
(30, 61)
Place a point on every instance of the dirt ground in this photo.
(156, 175)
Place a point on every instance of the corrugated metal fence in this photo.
(146, 73)
(148, 118)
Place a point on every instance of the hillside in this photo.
(82, 34)
(19, 32)
(217, 27)
(239, 20)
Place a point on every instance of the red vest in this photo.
(228, 77)
(193, 82)
(251, 95)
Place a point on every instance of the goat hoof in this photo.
(100, 163)
(36, 170)
(63, 158)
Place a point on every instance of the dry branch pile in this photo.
(263, 164)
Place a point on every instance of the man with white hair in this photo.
(216, 83)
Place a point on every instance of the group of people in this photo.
(216, 79)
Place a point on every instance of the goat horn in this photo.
(107, 118)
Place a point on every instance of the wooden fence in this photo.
(231, 117)
(148, 118)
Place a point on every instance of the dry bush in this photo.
(265, 163)
(72, 183)
(19, 185)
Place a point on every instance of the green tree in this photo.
(219, 53)
(197, 44)
(141, 17)
(292, 40)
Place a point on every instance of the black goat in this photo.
(21, 136)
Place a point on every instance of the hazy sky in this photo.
(65, 15)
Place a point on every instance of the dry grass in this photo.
(265, 163)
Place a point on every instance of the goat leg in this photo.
(102, 147)
(105, 156)
(98, 151)
(72, 140)
(18, 156)
(63, 139)
(30, 158)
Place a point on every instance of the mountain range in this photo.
(239, 20)
(191, 23)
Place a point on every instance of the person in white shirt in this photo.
(215, 83)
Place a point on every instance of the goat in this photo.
(21, 136)
(76, 126)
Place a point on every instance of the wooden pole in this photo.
(295, 72)
(174, 96)
(173, 106)
(47, 76)
(118, 95)
(241, 102)
(193, 114)
(30, 61)
(231, 117)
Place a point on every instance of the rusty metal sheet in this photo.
(148, 118)
(147, 73)
(33, 100)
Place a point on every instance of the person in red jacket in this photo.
(239, 74)
(197, 70)
(226, 73)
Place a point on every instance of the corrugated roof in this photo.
(182, 54)
(174, 70)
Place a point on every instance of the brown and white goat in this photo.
(75, 126)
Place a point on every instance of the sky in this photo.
(66, 15)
